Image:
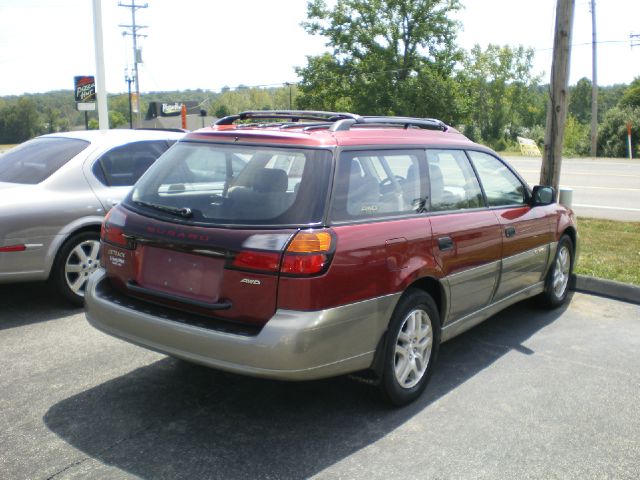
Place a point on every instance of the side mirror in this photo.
(542, 195)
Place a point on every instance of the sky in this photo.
(209, 44)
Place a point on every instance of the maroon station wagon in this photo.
(302, 245)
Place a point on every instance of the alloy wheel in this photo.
(81, 262)
(413, 348)
(561, 271)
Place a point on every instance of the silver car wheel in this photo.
(413, 348)
(80, 263)
(561, 271)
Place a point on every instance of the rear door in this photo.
(466, 235)
(210, 223)
(224, 273)
(527, 233)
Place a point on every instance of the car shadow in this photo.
(172, 419)
(33, 302)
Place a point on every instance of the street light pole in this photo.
(129, 80)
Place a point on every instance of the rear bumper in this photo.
(293, 345)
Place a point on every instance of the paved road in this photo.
(602, 188)
(527, 394)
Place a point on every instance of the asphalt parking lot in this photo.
(527, 394)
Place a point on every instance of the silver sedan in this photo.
(54, 193)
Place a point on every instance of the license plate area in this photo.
(181, 274)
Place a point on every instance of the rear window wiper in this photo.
(185, 212)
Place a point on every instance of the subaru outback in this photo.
(300, 245)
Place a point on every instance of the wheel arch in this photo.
(91, 224)
(436, 290)
(429, 285)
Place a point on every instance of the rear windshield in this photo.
(214, 184)
(36, 160)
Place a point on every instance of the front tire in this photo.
(557, 283)
(76, 260)
(411, 348)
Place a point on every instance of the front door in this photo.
(527, 233)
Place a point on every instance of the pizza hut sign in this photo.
(85, 90)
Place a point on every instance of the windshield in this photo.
(36, 160)
(216, 184)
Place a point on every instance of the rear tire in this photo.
(413, 340)
(76, 260)
(557, 283)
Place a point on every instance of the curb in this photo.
(607, 288)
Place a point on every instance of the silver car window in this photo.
(36, 160)
(122, 166)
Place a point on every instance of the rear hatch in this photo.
(207, 228)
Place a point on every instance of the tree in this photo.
(500, 90)
(612, 137)
(245, 98)
(20, 121)
(631, 97)
(381, 50)
(580, 101)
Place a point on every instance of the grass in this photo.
(609, 249)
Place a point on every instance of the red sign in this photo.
(85, 90)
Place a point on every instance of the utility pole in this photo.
(101, 89)
(557, 110)
(594, 83)
(133, 31)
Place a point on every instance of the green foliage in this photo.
(612, 135)
(500, 91)
(242, 99)
(20, 121)
(389, 57)
(500, 145)
(608, 98)
(631, 97)
(577, 138)
(117, 119)
(580, 100)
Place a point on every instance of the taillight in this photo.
(262, 261)
(308, 253)
(112, 228)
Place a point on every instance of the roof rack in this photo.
(334, 121)
(293, 115)
(404, 122)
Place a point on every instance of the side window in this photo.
(500, 184)
(453, 183)
(122, 166)
(374, 183)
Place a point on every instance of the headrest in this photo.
(270, 180)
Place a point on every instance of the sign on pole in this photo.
(85, 92)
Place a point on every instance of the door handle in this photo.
(445, 243)
(509, 232)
